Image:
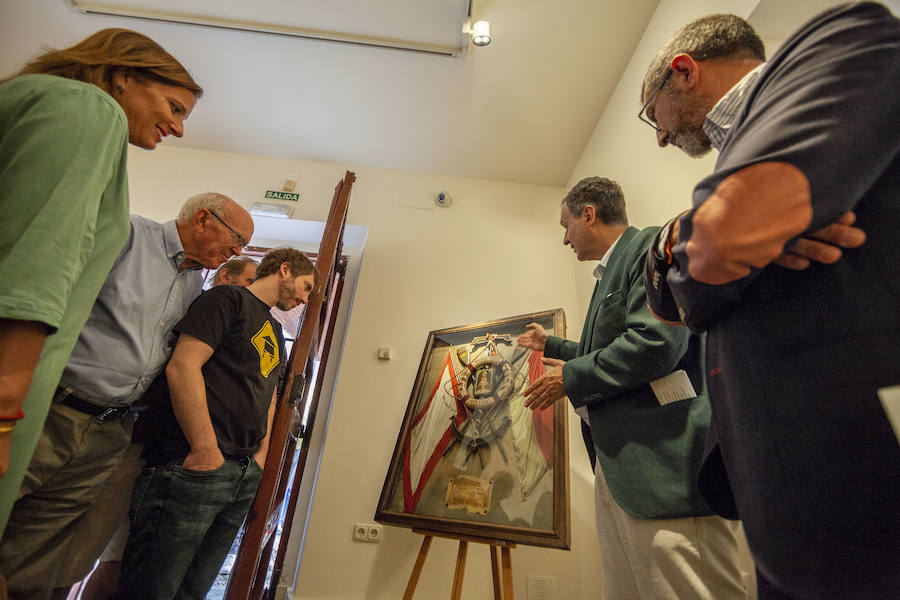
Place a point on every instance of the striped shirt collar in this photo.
(720, 119)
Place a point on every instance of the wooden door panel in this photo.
(249, 571)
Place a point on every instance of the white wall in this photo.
(495, 252)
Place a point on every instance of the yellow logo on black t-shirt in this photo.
(266, 345)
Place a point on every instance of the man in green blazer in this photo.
(644, 434)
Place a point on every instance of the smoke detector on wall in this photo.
(443, 199)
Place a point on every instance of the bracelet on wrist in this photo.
(7, 426)
(16, 417)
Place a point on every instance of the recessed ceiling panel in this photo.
(430, 22)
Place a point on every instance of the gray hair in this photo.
(714, 36)
(208, 200)
(605, 195)
(232, 266)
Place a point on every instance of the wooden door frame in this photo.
(303, 437)
(248, 573)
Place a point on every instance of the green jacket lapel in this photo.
(611, 276)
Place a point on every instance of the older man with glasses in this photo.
(237, 239)
(799, 361)
(237, 271)
(122, 348)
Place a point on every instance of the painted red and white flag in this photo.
(532, 431)
(430, 433)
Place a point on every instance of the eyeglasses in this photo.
(651, 99)
(239, 240)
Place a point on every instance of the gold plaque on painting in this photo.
(469, 494)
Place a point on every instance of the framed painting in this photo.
(470, 458)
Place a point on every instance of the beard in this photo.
(692, 140)
(287, 295)
(687, 133)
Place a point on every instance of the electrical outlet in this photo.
(360, 531)
(374, 533)
(367, 532)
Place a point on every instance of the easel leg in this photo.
(460, 570)
(417, 569)
(507, 573)
(495, 571)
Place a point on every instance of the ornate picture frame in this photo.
(470, 459)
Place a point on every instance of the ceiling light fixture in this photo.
(481, 33)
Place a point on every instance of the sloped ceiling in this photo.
(775, 20)
(521, 109)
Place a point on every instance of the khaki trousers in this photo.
(693, 558)
(105, 521)
(70, 466)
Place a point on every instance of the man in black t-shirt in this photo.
(205, 458)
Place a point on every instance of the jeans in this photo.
(183, 523)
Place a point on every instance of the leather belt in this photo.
(68, 397)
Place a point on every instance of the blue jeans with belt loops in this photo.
(183, 523)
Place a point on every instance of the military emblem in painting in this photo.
(471, 458)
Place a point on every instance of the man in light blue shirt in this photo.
(122, 348)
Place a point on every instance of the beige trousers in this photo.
(104, 527)
(693, 558)
(68, 470)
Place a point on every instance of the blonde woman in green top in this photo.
(65, 121)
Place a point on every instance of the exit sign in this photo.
(289, 196)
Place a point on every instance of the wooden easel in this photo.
(464, 540)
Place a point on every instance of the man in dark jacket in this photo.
(796, 359)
